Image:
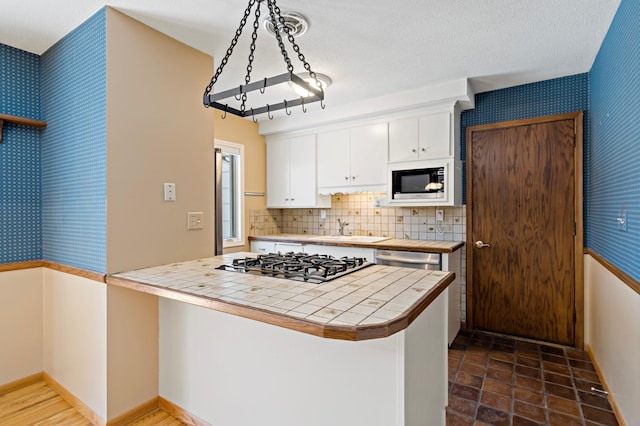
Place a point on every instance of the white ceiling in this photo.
(369, 48)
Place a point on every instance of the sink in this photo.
(349, 238)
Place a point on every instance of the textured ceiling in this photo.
(369, 48)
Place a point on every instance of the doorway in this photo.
(525, 228)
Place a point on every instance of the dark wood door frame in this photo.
(577, 118)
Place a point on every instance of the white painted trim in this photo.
(236, 149)
(402, 103)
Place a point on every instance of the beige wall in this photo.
(132, 349)
(20, 324)
(157, 131)
(242, 131)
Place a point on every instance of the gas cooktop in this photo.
(313, 268)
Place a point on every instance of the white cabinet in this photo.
(354, 159)
(291, 173)
(421, 138)
(340, 251)
(263, 247)
(283, 247)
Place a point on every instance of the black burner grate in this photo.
(298, 266)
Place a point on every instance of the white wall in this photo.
(612, 330)
(20, 324)
(75, 336)
(232, 371)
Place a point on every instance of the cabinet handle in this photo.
(423, 150)
(346, 178)
(286, 199)
(414, 150)
(354, 177)
(293, 199)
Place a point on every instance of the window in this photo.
(232, 191)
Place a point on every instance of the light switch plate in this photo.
(195, 220)
(169, 191)
(622, 220)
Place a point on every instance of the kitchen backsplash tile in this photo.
(367, 218)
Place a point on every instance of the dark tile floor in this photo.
(496, 380)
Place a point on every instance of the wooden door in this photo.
(524, 199)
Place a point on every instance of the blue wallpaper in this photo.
(20, 231)
(73, 88)
(557, 96)
(614, 150)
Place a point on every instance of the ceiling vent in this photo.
(296, 23)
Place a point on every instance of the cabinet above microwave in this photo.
(425, 136)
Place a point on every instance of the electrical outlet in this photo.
(439, 215)
(169, 191)
(622, 220)
(195, 220)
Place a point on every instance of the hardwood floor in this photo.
(38, 404)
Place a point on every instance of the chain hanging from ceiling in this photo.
(315, 94)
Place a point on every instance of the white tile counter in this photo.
(373, 302)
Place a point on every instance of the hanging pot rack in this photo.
(314, 89)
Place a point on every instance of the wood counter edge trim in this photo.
(612, 401)
(328, 331)
(74, 401)
(72, 270)
(621, 275)
(180, 413)
(380, 245)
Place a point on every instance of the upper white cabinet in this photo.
(291, 173)
(354, 159)
(421, 138)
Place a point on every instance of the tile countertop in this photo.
(388, 244)
(373, 302)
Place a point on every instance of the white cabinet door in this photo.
(333, 158)
(420, 138)
(263, 247)
(369, 147)
(340, 251)
(289, 248)
(435, 136)
(302, 175)
(403, 139)
(278, 173)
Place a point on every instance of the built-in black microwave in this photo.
(418, 183)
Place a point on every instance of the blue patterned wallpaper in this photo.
(73, 85)
(556, 96)
(614, 150)
(20, 218)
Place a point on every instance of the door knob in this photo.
(480, 244)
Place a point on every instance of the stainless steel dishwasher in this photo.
(409, 259)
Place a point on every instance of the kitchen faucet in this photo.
(341, 226)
